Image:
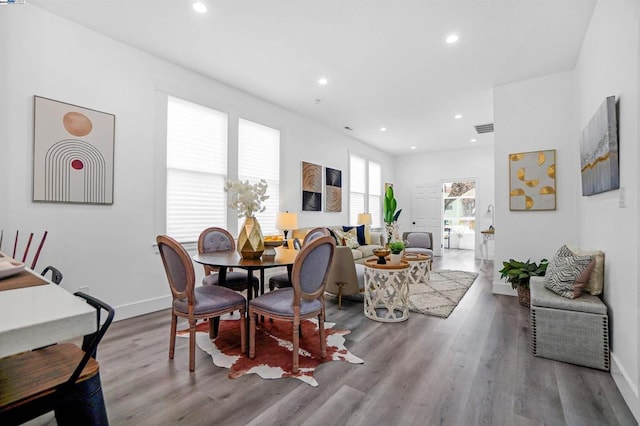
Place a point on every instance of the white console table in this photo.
(487, 236)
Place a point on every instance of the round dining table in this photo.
(224, 260)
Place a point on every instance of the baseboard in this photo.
(143, 307)
(504, 288)
(625, 385)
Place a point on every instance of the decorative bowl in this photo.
(382, 253)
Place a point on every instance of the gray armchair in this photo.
(418, 242)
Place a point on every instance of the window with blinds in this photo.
(196, 169)
(259, 158)
(365, 190)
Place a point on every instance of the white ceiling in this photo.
(386, 61)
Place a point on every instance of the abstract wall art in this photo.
(333, 189)
(311, 187)
(599, 161)
(532, 180)
(72, 153)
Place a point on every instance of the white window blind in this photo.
(259, 158)
(375, 194)
(357, 187)
(196, 169)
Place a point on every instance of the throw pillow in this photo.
(359, 233)
(596, 280)
(367, 235)
(338, 238)
(563, 273)
(350, 238)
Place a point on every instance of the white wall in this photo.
(475, 163)
(609, 65)
(110, 248)
(529, 116)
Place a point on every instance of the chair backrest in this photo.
(311, 267)
(296, 244)
(56, 275)
(26, 248)
(215, 239)
(178, 266)
(314, 234)
(418, 239)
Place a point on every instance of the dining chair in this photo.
(283, 280)
(216, 239)
(64, 378)
(56, 275)
(27, 247)
(195, 303)
(305, 299)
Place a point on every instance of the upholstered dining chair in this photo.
(283, 280)
(195, 303)
(305, 299)
(216, 239)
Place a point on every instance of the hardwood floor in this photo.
(473, 368)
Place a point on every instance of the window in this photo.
(196, 169)
(365, 190)
(259, 158)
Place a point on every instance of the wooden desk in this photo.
(41, 315)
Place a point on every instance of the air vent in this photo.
(484, 128)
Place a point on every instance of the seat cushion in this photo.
(279, 303)
(419, 250)
(211, 298)
(360, 275)
(235, 280)
(545, 298)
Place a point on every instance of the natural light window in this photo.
(259, 158)
(196, 169)
(365, 190)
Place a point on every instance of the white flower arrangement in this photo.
(246, 198)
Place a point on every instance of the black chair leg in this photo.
(216, 326)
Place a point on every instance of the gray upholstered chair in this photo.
(283, 280)
(216, 239)
(195, 303)
(418, 242)
(305, 299)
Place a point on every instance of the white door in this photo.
(427, 212)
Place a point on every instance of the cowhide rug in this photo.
(273, 349)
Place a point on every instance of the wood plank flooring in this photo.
(473, 368)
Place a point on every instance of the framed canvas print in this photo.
(72, 153)
(333, 190)
(311, 187)
(532, 180)
(599, 161)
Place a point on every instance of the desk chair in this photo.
(56, 275)
(61, 377)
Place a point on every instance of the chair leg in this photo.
(243, 332)
(216, 327)
(172, 336)
(252, 334)
(340, 295)
(192, 345)
(296, 344)
(323, 341)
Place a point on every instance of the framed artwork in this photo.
(333, 189)
(532, 180)
(599, 160)
(311, 187)
(72, 153)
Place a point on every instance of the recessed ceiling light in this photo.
(457, 116)
(413, 147)
(383, 129)
(452, 38)
(199, 7)
(473, 140)
(323, 81)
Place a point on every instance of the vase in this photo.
(395, 258)
(524, 296)
(250, 239)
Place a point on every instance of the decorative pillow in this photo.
(338, 238)
(359, 233)
(596, 280)
(563, 273)
(350, 238)
(367, 235)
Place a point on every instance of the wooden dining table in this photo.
(223, 260)
(34, 312)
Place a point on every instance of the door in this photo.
(427, 212)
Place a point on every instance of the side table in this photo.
(386, 296)
(419, 270)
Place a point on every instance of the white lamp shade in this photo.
(286, 221)
(364, 218)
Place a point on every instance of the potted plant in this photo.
(390, 214)
(396, 248)
(518, 274)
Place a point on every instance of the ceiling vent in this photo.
(484, 128)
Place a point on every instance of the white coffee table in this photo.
(386, 296)
(419, 270)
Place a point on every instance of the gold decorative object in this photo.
(250, 240)
(532, 180)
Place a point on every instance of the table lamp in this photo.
(286, 221)
(489, 213)
(364, 218)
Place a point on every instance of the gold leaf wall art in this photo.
(532, 180)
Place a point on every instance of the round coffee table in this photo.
(386, 296)
(419, 271)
